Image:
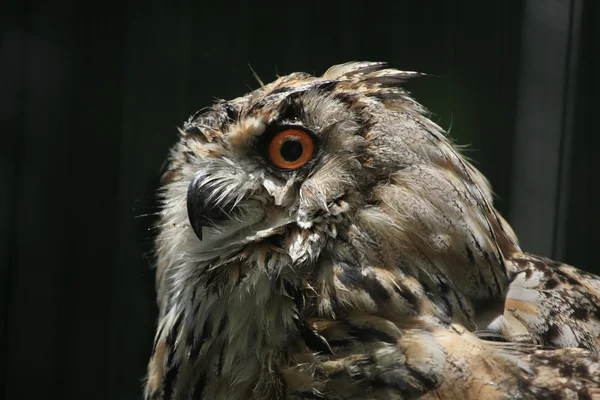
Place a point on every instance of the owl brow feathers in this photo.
(372, 80)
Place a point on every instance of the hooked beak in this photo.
(202, 208)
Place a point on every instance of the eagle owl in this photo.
(320, 238)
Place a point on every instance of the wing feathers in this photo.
(550, 304)
(444, 362)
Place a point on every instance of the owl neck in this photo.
(233, 337)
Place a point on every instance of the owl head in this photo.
(309, 173)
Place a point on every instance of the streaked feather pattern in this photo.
(379, 271)
(551, 304)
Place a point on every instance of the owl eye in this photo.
(291, 148)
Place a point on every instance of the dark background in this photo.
(90, 98)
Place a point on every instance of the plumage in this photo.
(377, 269)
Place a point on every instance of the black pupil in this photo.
(291, 150)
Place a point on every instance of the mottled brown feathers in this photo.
(378, 270)
(551, 304)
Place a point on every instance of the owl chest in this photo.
(248, 340)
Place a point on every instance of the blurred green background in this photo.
(91, 96)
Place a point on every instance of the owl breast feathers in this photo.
(320, 238)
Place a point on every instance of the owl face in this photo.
(289, 162)
(307, 170)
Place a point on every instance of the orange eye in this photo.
(291, 149)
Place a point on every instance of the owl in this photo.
(321, 238)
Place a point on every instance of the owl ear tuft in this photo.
(374, 79)
(374, 73)
(390, 77)
(353, 68)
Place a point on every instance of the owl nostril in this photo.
(202, 208)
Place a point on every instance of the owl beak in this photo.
(201, 206)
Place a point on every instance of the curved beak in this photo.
(201, 205)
